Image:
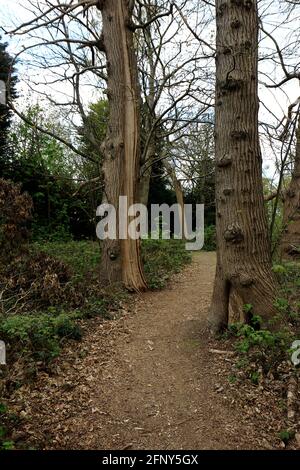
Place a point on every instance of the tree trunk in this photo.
(146, 172)
(290, 240)
(179, 195)
(149, 152)
(243, 247)
(121, 259)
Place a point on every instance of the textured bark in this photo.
(146, 172)
(243, 249)
(144, 187)
(121, 259)
(179, 194)
(290, 240)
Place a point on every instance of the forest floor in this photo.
(146, 380)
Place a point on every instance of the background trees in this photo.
(52, 177)
(117, 98)
(290, 238)
(174, 46)
(75, 57)
(5, 113)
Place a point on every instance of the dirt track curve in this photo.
(145, 381)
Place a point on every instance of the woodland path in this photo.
(148, 381)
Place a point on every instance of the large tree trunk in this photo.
(290, 240)
(243, 248)
(121, 259)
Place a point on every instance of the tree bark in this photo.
(121, 259)
(179, 194)
(290, 240)
(243, 248)
(149, 152)
(146, 172)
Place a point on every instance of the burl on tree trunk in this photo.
(243, 271)
(290, 240)
(121, 260)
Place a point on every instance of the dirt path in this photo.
(149, 380)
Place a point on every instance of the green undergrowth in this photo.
(210, 238)
(264, 349)
(58, 285)
(7, 422)
(161, 259)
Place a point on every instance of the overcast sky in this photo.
(15, 12)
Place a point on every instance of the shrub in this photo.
(82, 257)
(45, 292)
(210, 238)
(266, 347)
(39, 336)
(35, 281)
(161, 259)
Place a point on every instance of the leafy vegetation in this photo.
(38, 335)
(161, 259)
(263, 350)
(210, 238)
(262, 346)
(58, 162)
(60, 282)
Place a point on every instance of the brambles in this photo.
(35, 281)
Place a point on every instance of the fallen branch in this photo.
(218, 351)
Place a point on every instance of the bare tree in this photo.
(290, 239)
(282, 55)
(175, 74)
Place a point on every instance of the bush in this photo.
(288, 275)
(82, 257)
(35, 281)
(46, 292)
(39, 336)
(210, 238)
(161, 259)
(268, 348)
